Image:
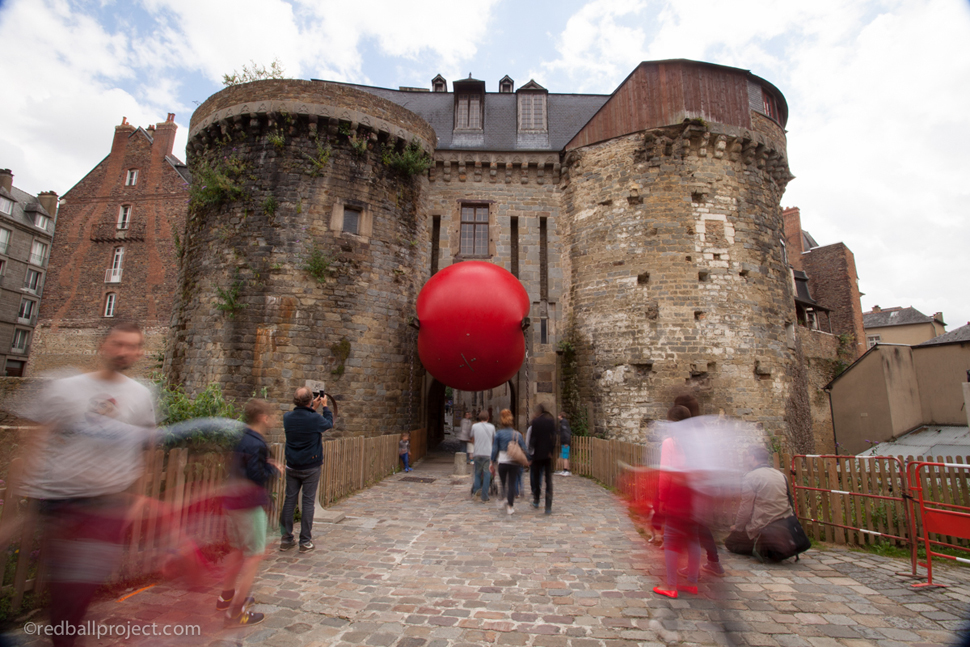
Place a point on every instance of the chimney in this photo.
(48, 200)
(876, 309)
(6, 179)
(938, 316)
(164, 136)
(122, 133)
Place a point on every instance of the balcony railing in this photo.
(112, 275)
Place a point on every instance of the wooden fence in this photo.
(177, 498)
(830, 513)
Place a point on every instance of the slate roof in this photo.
(955, 336)
(894, 317)
(25, 206)
(567, 114)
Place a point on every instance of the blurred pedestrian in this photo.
(246, 502)
(542, 445)
(88, 452)
(483, 435)
(404, 450)
(508, 469)
(675, 505)
(304, 429)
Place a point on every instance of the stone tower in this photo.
(301, 257)
(673, 249)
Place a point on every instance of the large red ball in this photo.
(470, 335)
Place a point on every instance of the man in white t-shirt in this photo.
(95, 427)
(483, 432)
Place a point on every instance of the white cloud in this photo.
(877, 130)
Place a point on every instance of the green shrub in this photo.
(411, 161)
(317, 264)
(214, 185)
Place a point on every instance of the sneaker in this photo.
(307, 547)
(714, 568)
(223, 604)
(245, 619)
(509, 509)
(535, 504)
(548, 510)
(665, 592)
(567, 473)
(559, 473)
(287, 545)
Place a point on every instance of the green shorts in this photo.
(247, 530)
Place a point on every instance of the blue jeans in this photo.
(404, 457)
(307, 480)
(680, 535)
(483, 477)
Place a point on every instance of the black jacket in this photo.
(304, 430)
(542, 440)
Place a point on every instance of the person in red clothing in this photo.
(675, 505)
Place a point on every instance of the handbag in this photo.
(515, 452)
(783, 538)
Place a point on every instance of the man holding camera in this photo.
(304, 429)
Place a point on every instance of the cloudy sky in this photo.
(878, 91)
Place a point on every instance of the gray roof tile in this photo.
(955, 336)
(894, 317)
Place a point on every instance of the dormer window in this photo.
(132, 178)
(532, 107)
(505, 85)
(469, 104)
(6, 206)
(40, 220)
(438, 84)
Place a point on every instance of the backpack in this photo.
(782, 539)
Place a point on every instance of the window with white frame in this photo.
(27, 309)
(872, 340)
(20, 339)
(42, 221)
(38, 253)
(113, 273)
(132, 178)
(124, 216)
(6, 206)
(109, 304)
(474, 230)
(4, 240)
(32, 281)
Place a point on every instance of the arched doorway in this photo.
(436, 414)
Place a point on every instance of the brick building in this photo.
(830, 299)
(114, 256)
(645, 226)
(26, 228)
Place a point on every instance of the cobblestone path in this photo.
(421, 564)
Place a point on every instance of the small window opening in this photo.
(351, 220)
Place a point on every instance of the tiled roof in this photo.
(567, 114)
(894, 317)
(955, 336)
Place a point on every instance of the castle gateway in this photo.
(645, 226)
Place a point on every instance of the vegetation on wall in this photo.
(843, 354)
(410, 161)
(319, 161)
(572, 404)
(270, 205)
(229, 298)
(254, 72)
(340, 352)
(215, 184)
(317, 264)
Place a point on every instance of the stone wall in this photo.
(833, 282)
(673, 276)
(274, 325)
(529, 194)
(819, 357)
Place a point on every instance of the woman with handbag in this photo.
(507, 451)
